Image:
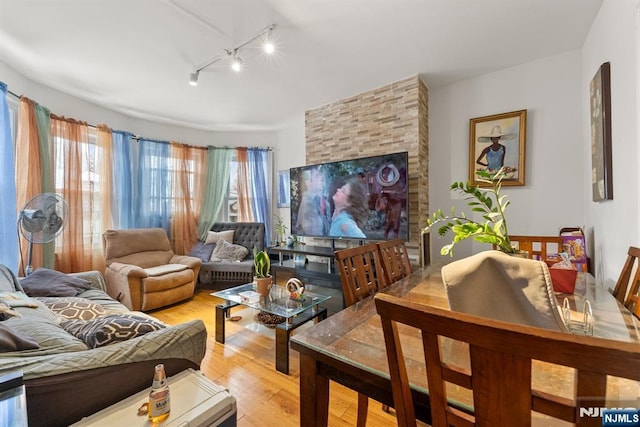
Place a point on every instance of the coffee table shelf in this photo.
(296, 313)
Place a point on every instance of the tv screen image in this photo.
(363, 198)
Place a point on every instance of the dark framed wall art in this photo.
(601, 162)
(498, 141)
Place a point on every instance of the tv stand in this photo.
(316, 273)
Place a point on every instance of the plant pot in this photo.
(263, 285)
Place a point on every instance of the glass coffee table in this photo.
(296, 312)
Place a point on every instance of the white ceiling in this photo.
(135, 56)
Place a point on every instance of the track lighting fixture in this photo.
(236, 64)
(236, 61)
(193, 80)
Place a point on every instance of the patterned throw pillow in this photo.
(74, 307)
(225, 251)
(111, 329)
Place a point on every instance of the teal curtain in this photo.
(43, 120)
(8, 209)
(216, 185)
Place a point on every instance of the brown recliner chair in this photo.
(143, 273)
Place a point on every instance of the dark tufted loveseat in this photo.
(221, 275)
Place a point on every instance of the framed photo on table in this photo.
(498, 141)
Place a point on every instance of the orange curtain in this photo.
(28, 171)
(245, 212)
(188, 191)
(81, 179)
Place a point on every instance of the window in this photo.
(91, 183)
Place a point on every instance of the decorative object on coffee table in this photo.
(262, 268)
(296, 289)
(269, 320)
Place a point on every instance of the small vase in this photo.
(263, 285)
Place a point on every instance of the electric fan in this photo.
(41, 220)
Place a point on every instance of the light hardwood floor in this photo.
(245, 364)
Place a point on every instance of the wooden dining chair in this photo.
(628, 287)
(395, 260)
(499, 378)
(538, 247)
(361, 272)
(362, 275)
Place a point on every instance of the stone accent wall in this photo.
(389, 119)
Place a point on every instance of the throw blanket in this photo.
(17, 299)
(498, 286)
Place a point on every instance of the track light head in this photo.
(268, 47)
(236, 64)
(193, 78)
(267, 44)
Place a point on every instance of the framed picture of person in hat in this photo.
(498, 142)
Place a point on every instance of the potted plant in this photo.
(486, 201)
(262, 269)
(281, 229)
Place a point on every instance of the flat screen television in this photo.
(363, 198)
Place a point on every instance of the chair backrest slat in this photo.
(627, 287)
(361, 272)
(395, 260)
(538, 247)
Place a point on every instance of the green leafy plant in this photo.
(486, 201)
(281, 228)
(261, 263)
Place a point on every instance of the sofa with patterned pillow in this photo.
(227, 253)
(80, 350)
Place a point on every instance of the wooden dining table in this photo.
(349, 348)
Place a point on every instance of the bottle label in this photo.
(159, 404)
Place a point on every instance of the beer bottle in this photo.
(159, 403)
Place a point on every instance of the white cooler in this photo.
(195, 402)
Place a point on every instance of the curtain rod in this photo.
(137, 137)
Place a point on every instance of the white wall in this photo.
(614, 224)
(553, 196)
(289, 151)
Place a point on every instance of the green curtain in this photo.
(43, 120)
(216, 185)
